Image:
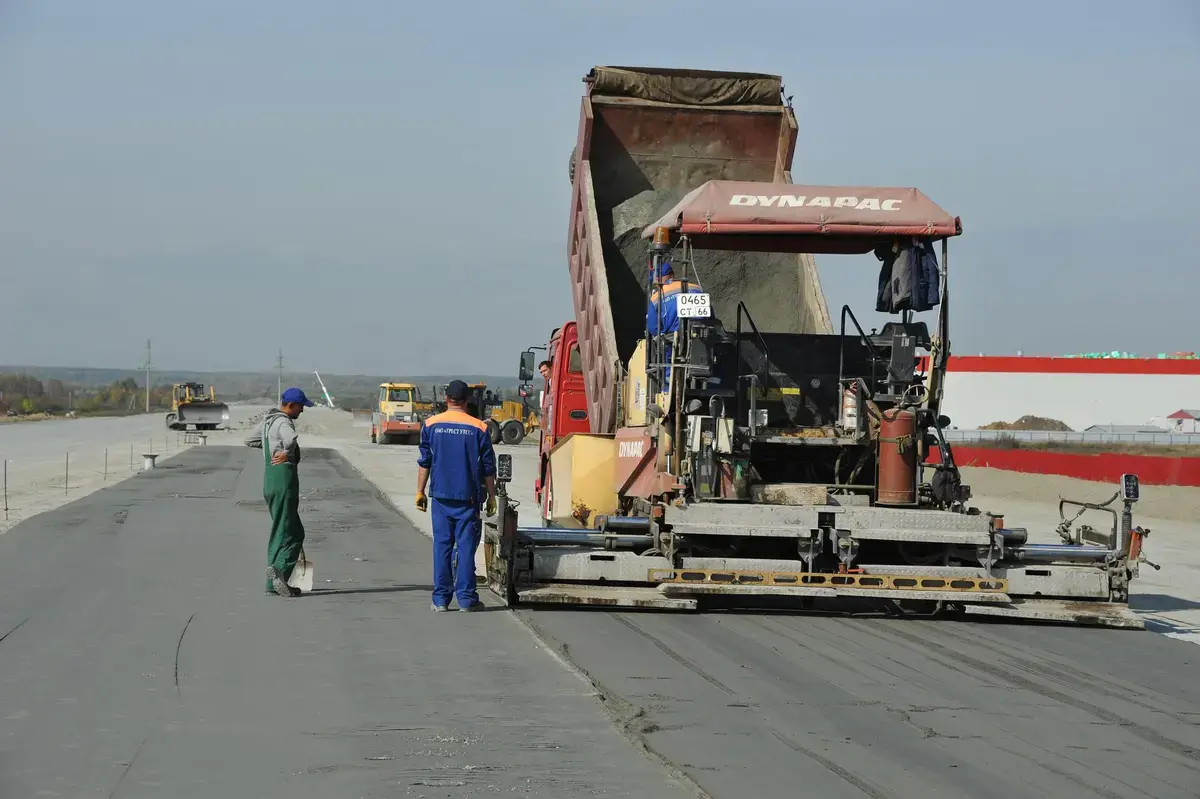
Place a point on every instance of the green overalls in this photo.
(281, 490)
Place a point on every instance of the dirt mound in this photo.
(770, 284)
(1028, 422)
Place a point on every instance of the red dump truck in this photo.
(756, 453)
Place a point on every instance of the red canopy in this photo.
(784, 217)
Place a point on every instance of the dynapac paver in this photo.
(756, 452)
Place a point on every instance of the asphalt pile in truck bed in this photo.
(770, 284)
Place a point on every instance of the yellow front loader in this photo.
(513, 421)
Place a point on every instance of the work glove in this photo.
(491, 506)
(422, 503)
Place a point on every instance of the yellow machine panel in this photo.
(583, 469)
(636, 387)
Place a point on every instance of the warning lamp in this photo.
(662, 238)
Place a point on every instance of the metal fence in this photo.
(1040, 436)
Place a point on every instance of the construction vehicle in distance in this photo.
(513, 420)
(190, 405)
(506, 420)
(770, 461)
(399, 414)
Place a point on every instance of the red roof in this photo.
(1185, 414)
(785, 217)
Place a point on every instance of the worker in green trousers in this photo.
(281, 488)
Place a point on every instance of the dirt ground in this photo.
(1177, 503)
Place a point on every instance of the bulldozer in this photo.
(190, 405)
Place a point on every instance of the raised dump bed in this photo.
(646, 138)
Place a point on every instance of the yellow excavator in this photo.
(190, 405)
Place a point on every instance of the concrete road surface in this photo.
(140, 658)
(753, 705)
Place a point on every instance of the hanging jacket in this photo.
(909, 279)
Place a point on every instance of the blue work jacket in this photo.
(457, 451)
(670, 309)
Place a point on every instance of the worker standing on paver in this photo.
(662, 313)
(277, 438)
(456, 452)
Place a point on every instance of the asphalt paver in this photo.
(141, 657)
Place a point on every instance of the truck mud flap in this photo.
(603, 596)
(1092, 614)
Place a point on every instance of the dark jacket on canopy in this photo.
(909, 279)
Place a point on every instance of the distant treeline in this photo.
(24, 394)
(36, 389)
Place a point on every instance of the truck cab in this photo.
(564, 406)
(398, 414)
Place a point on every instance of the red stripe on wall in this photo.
(1070, 366)
(1101, 468)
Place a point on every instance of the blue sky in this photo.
(354, 178)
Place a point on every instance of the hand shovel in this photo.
(302, 575)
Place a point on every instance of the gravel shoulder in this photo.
(1174, 503)
(50, 463)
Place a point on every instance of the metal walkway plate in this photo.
(1099, 614)
(603, 596)
(709, 589)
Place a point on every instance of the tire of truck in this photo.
(512, 432)
(493, 431)
(170, 421)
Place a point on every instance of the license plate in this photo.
(694, 306)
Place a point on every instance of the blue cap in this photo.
(664, 269)
(457, 391)
(296, 395)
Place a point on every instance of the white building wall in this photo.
(974, 399)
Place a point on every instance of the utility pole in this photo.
(279, 365)
(148, 366)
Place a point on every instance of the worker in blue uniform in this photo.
(456, 455)
(662, 313)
